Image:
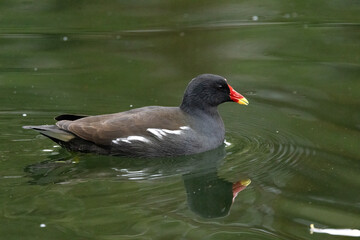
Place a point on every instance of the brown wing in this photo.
(102, 129)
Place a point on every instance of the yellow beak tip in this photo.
(243, 101)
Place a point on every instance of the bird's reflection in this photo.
(208, 195)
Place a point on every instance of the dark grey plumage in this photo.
(154, 131)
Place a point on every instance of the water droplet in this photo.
(42, 225)
(35, 69)
(227, 144)
(250, 93)
(255, 18)
(65, 38)
(24, 114)
(131, 105)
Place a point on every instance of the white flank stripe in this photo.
(177, 132)
(160, 133)
(131, 138)
(157, 132)
(137, 138)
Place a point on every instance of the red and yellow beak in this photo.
(237, 97)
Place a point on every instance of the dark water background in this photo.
(297, 62)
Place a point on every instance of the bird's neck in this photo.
(194, 105)
(199, 109)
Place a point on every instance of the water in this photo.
(298, 141)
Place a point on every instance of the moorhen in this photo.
(153, 131)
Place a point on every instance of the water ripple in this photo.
(263, 152)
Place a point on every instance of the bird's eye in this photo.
(220, 86)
